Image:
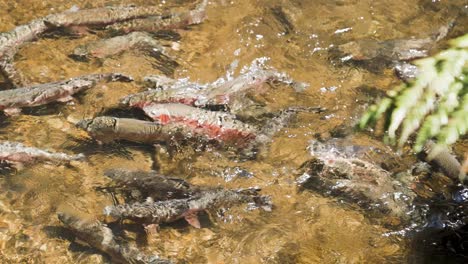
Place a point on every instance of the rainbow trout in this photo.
(15, 152)
(100, 237)
(140, 185)
(151, 212)
(116, 45)
(12, 100)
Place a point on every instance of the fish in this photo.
(12, 100)
(150, 212)
(102, 16)
(11, 41)
(376, 55)
(106, 129)
(150, 184)
(220, 92)
(214, 125)
(116, 45)
(180, 123)
(156, 23)
(357, 181)
(101, 237)
(15, 152)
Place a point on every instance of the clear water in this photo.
(304, 227)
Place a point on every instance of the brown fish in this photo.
(100, 237)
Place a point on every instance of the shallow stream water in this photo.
(304, 227)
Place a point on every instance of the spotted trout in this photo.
(100, 237)
(169, 211)
(15, 152)
(12, 100)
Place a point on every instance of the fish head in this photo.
(84, 124)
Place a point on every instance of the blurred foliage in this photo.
(435, 103)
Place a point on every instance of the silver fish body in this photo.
(46, 93)
(18, 153)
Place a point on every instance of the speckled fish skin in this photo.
(116, 45)
(100, 237)
(200, 95)
(220, 126)
(107, 129)
(11, 41)
(155, 23)
(21, 34)
(102, 16)
(150, 184)
(18, 153)
(168, 211)
(357, 181)
(185, 95)
(46, 93)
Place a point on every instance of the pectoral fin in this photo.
(192, 219)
